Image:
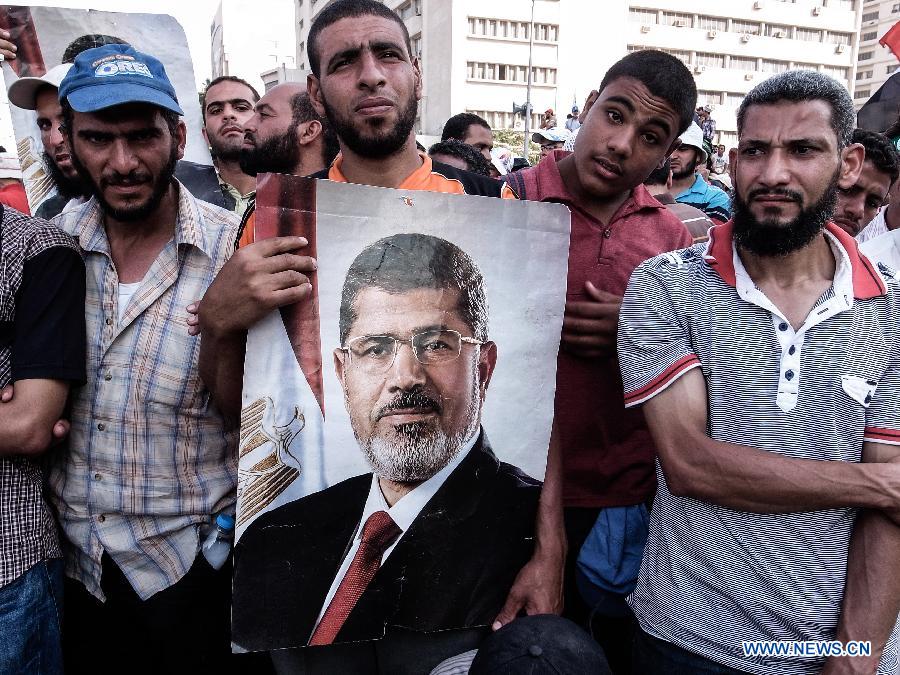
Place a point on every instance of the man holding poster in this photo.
(395, 547)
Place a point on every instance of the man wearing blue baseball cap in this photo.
(150, 461)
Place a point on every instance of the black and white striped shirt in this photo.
(712, 577)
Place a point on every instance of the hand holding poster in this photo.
(396, 425)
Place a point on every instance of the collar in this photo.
(188, 224)
(407, 509)
(417, 180)
(867, 283)
(553, 188)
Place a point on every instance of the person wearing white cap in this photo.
(688, 185)
(550, 139)
(41, 94)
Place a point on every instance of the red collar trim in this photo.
(867, 282)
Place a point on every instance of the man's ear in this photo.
(205, 135)
(852, 158)
(340, 357)
(181, 136)
(314, 90)
(307, 132)
(487, 360)
(417, 68)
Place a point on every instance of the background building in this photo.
(475, 54)
(247, 42)
(875, 64)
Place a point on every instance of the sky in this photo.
(195, 16)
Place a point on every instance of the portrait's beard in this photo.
(278, 154)
(416, 451)
(688, 169)
(771, 238)
(134, 212)
(375, 142)
(67, 187)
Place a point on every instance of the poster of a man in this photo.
(48, 40)
(425, 508)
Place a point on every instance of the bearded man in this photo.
(766, 362)
(415, 363)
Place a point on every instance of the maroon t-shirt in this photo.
(607, 450)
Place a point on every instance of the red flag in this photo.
(891, 39)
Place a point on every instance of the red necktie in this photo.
(379, 532)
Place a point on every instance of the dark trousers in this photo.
(613, 633)
(182, 629)
(653, 656)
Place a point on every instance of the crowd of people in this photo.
(723, 472)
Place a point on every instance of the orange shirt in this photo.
(430, 176)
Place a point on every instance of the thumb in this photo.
(600, 296)
(514, 603)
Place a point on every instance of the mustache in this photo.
(131, 178)
(780, 192)
(409, 399)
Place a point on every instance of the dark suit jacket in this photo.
(452, 568)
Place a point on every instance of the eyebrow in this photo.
(232, 101)
(629, 106)
(262, 106)
(354, 52)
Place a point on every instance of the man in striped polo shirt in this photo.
(767, 363)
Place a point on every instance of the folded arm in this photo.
(28, 418)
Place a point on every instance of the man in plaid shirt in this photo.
(42, 352)
(150, 459)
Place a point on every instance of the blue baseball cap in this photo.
(114, 75)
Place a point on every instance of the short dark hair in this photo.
(406, 262)
(89, 41)
(798, 86)
(880, 151)
(664, 76)
(302, 110)
(659, 175)
(348, 9)
(457, 126)
(475, 161)
(225, 78)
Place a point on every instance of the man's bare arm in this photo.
(28, 418)
(257, 279)
(872, 590)
(748, 479)
(538, 586)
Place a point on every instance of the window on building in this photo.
(842, 4)
(895, 8)
(712, 23)
(743, 63)
(862, 93)
(416, 41)
(749, 27)
(684, 57)
(839, 38)
(890, 68)
(770, 66)
(708, 97)
(808, 34)
(710, 60)
(677, 19)
(644, 16)
(777, 30)
(865, 56)
(835, 72)
(864, 75)
(805, 66)
(870, 16)
(733, 100)
(871, 35)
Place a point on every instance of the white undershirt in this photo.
(125, 293)
(403, 512)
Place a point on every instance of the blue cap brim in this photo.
(108, 94)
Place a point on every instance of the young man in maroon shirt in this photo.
(601, 459)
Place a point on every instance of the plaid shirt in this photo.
(27, 531)
(150, 459)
